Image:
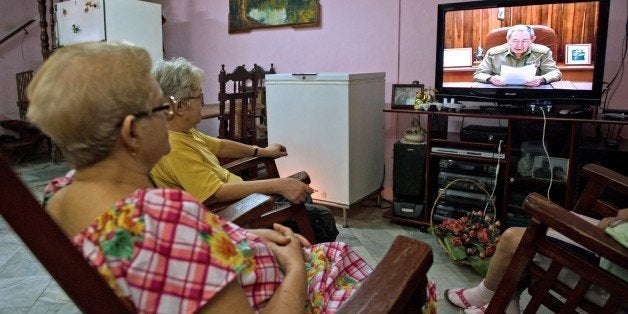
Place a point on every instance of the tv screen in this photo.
(507, 51)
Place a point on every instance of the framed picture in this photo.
(578, 54)
(457, 57)
(247, 15)
(403, 95)
(558, 167)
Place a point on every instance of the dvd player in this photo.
(468, 152)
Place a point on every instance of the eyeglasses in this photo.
(167, 107)
(200, 97)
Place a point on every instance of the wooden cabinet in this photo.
(525, 133)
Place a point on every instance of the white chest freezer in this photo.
(332, 125)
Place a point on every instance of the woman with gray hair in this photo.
(160, 249)
(193, 163)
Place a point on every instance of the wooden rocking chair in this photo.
(397, 284)
(548, 287)
(238, 91)
(30, 137)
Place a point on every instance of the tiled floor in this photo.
(26, 287)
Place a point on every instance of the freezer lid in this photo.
(323, 76)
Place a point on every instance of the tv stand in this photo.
(524, 132)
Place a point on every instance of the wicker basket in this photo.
(443, 192)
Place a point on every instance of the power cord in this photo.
(549, 161)
(491, 198)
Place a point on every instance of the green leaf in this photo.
(456, 253)
(479, 265)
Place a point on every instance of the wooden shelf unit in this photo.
(438, 135)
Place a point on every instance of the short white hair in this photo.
(83, 91)
(520, 28)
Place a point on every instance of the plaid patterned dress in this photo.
(163, 251)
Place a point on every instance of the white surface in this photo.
(457, 57)
(137, 22)
(332, 125)
(517, 76)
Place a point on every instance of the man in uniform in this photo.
(518, 51)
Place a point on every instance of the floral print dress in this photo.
(166, 253)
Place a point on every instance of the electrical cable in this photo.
(549, 161)
(490, 200)
(364, 204)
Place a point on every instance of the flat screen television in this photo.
(574, 30)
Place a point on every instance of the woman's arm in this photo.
(293, 190)
(289, 296)
(622, 217)
(232, 149)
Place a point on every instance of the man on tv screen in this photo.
(526, 63)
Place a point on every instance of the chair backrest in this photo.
(260, 73)
(544, 35)
(22, 79)
(574, 283)
(53, 249)
(238, 91)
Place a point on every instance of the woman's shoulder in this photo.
(57, 184)
(166, 198)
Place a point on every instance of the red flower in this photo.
(483, 235)
(456, 241)
(490, 250)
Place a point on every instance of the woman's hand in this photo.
(273, 150)
(291, 255)
(294, 190)
(278, 238)
(622, 217)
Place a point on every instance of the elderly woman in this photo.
(192, 164)
(161, 249)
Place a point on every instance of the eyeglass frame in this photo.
(165, 106)
(200, 97)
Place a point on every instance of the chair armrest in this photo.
(250, 207)
(607, 177)
(398, 283)
(599, 180)
(247, 163)
(575, 228)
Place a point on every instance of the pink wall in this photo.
(396, 37)
(18, 54)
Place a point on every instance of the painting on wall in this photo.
(245, 15)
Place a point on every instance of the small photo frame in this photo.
(558, 166)
(457, 57)
(576, 54)
(403, 95)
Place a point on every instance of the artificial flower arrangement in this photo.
(470, 240)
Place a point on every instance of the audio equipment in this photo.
(408, 179)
